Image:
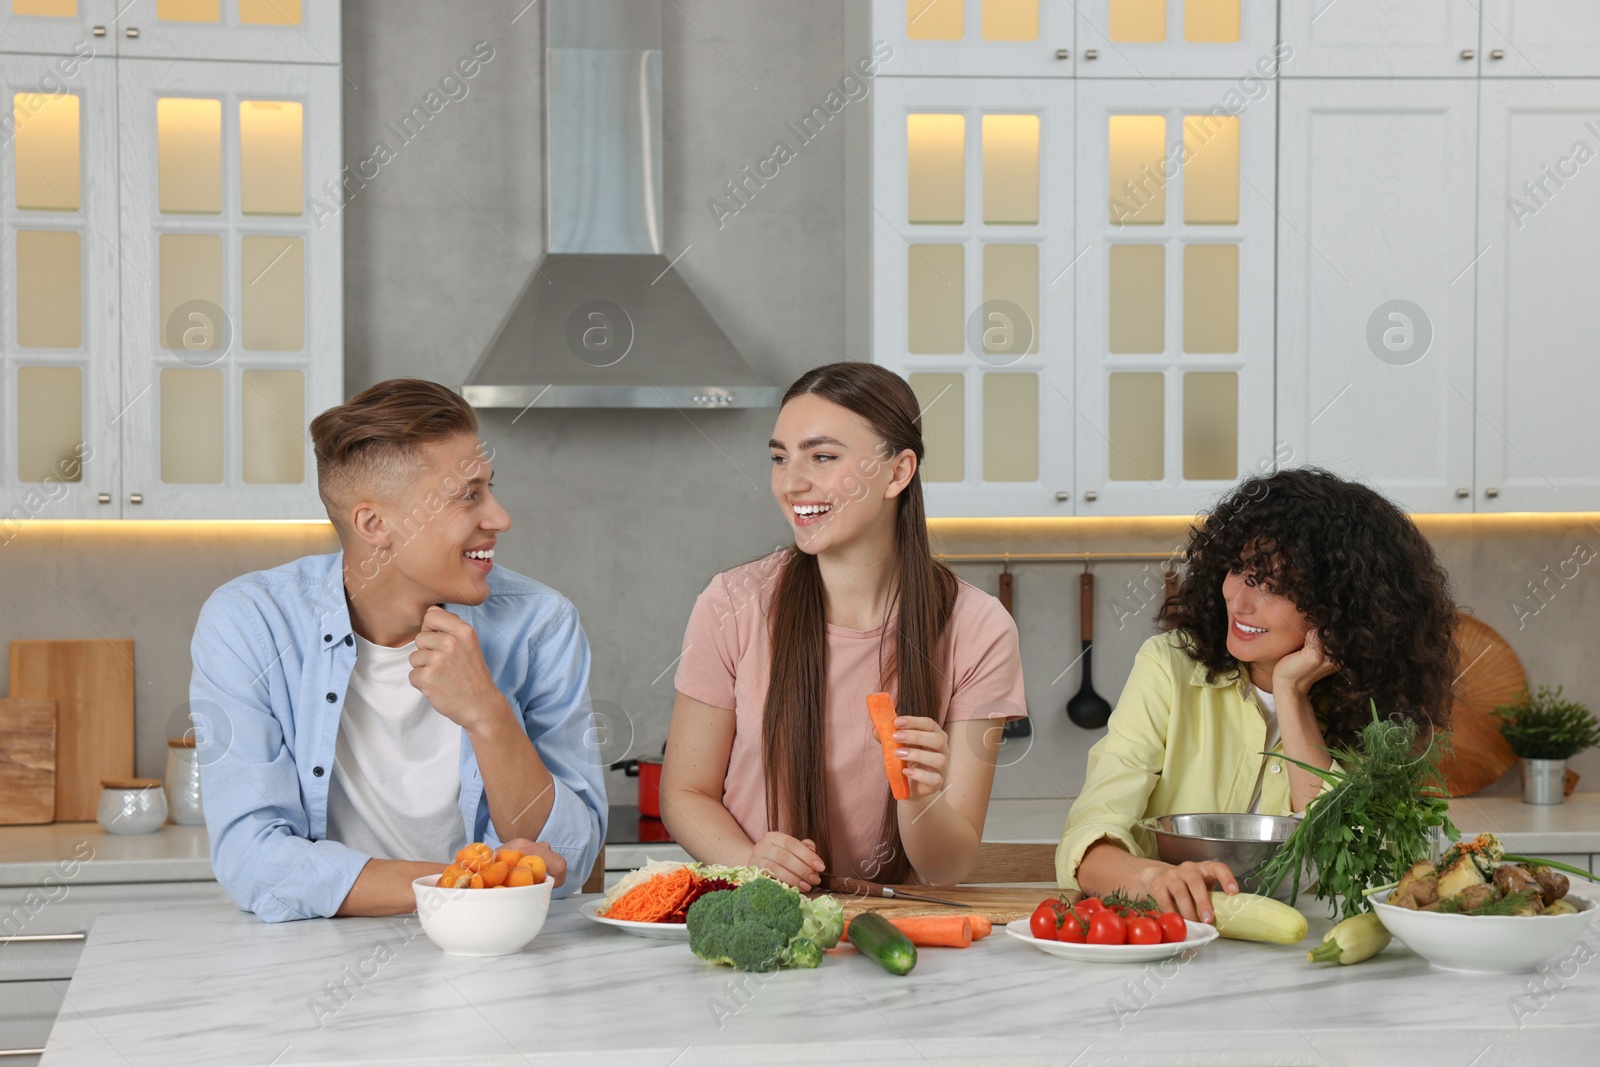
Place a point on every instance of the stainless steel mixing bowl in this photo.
(1244, 842)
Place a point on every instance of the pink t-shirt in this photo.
(727, 662)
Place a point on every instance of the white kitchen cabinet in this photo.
(992, 38)
(1382, 38)
(972, 187)
(1174, 359)
(263, 31)
(1375, 283)
(231, 313)
(1541, 38)
(1148, 39)
(59, 387)
(80, 28)
(1538, 441)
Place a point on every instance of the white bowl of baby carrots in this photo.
(488, 910)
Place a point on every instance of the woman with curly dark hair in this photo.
(1306, 598)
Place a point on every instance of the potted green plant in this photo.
(1545, 731)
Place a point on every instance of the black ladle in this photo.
(1087, 709)
(1014, 728)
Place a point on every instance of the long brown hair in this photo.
(921, 600)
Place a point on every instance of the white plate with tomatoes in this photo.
(1092, 933)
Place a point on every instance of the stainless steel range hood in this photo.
(605, 321)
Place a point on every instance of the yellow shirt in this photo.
(1176, 744)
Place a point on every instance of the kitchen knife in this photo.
(838, 884)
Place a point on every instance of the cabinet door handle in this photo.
(21, 1052)
(99, 31)
(1491, 492)
(1090, 53)
(1498, 53)
(1463, 493)
(133, 32)
(1467, 53)
(136, 498)
(1062, 496)
(104, 498)
(1090, 495)
(18, 939)
(1062, 53)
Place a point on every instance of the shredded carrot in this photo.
(651, 901)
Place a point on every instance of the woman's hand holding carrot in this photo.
(788, 859)
(925, 748)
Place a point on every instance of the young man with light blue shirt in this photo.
(365, 714)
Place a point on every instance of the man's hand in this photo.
(554, 865)
(449, 670)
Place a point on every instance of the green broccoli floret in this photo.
(801, 952)
(756, 927)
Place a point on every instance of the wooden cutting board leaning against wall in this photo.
(92, 685)
(27, 761)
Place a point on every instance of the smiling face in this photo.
(1263, 626)
(434, 532)
(834, 476)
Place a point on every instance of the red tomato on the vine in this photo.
(1143, 930)
(1173, 928)
(1091, 904)
(1072, 929)
(1043, 922)
(1106, 927)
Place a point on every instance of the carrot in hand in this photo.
(881, 707)
(932, 931)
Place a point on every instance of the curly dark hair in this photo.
(1356, 567)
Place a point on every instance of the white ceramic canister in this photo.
(183, 782)
(131, 805)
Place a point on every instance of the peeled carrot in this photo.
(981, 926)
(881, 707)
(932, 931)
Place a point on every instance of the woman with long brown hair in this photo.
(771, 757)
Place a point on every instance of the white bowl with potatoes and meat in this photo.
(1477, 912)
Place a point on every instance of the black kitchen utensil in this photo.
(1014, 728)
(1087, 709)
(836, 883)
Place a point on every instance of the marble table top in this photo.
(204, 985)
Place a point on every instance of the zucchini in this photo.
(1252, 917)
(1357, 938)
(876, 938)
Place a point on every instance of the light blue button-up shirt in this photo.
(273, 652)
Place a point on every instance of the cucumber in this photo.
(877, 938)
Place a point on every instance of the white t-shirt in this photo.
(396, 786)
(1269, 710)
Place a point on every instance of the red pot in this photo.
(650, 787)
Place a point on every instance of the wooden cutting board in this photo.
(27, 761)
(1490, 675)
(91, 683)
(998, 904)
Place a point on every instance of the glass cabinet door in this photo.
(972, 296)
(995, 38)
(232, 330)
(1147, 39)
(1175, 224)
(66, 28)
(59, 383)
(276, 31)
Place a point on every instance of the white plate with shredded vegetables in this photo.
(644, 901)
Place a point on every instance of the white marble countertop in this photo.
(207, 985)
(180, 853)
(171, 854)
